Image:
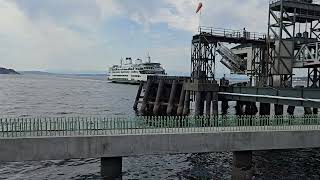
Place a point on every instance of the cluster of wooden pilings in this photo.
(173, 96)
(251, 108)
(205, 96)
(182, 96)
(163, 96)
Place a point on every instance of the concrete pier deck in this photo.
(159, 141)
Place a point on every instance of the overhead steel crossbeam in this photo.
(215, 35)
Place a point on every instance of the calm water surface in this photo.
(43, 96)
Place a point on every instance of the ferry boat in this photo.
(130, 72)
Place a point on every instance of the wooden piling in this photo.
(264, 109)
(186, 107)
(181, 102)
(224, 107)
(157, 103)
(135, 105)
(208, 103)
(215, 106)
(199, 105)
(172, 97)
(278, 109)
(290, 110)
(145, 97)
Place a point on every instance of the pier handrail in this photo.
(71, 126)
(300, 1)
(232, 33)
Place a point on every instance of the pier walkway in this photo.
(24, 139)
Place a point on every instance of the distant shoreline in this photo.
(7, 71)
(60, 74)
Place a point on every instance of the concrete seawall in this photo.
(55, 148)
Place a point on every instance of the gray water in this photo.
(34, 96)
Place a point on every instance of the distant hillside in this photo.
(36, 73)
(60, 74)
(7, 71)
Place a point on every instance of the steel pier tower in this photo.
(293, 28)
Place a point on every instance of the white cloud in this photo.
(46, 44)
(70, 35)
(180, 14)
(108, 8)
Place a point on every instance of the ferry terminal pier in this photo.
(180, 114)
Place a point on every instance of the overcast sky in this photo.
(90, 35)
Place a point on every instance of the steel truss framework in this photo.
(203, 59)
(315, 29)
(205, 46)
(284, 19)
(314, 73)
(258, 69)
(314, 77)
(279, 30)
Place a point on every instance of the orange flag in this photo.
(199, 7)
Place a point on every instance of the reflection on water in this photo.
(30, 95)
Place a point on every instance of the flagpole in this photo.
(200, 16)
(199, 10)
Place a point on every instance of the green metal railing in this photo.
(77, 126)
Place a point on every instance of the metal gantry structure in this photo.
(292, 41)
(246, 58)
(293, 27)
(202, 58)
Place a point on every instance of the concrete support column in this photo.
(215, 106)
(242, 165)
(186, 107)
(265, 109)
(172, 97)
(157, 104)
(278, 109)
(146, 97)
(181, 102)
(111, 168)
(208, 103)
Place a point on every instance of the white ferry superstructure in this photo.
(134, 73)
